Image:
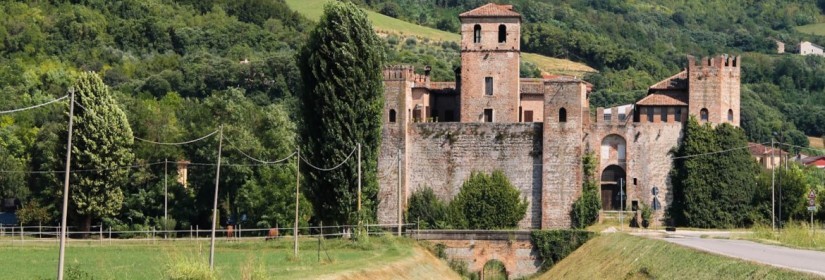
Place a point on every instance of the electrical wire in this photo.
(256, 159)
(719, 152)
(333, 168)
(176, 143)
(33, 107)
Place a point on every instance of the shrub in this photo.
(189, 268)
(555, 245)
(585, 210)
(427, 209)
(487, 202)
(646, 214)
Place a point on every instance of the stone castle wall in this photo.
(443, 155)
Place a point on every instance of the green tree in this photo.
(428, 209)
(102, 141)
(341, 104)
(489, 202)
(713, 189)
(585, 210)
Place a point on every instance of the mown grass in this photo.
(816, 142)
(796, 235)
(313, 9)
(813, 29)
(622, 256)
(233, 260)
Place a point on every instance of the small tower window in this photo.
(392, 115)
(502, 33)
(677, 116)
(488, 115)
(477, 34)
(488, 86)
(730, 115)
(703, 114)
(562, 115)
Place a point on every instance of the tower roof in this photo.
(491, 10)
(672, 98)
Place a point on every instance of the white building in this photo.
(808, 48)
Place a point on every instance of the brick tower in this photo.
(490, 38)
(713, 89)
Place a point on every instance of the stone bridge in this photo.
(477, 247)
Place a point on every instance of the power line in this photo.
(800, 147)
(256, 159)
(176, 143)
(333, 168)
(719, 152)
(33, 107)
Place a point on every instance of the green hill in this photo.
(313, 9)
(622, 256)
(813, 29)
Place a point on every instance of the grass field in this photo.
(816, 142)
(793, 235)
(622, 256)
(380, 257)
(313, 9)
(814, 29)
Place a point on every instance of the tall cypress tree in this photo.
(341, 105)
(694, 176)
(102, 142)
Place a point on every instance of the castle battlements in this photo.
(405, 73)
(721, 61)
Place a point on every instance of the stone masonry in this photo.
(436, 134)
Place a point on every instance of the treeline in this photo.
(636, 44)
(178, 70)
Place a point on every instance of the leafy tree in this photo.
(792, 187)
(341, 106)
(712, 189)
(427, 209)
(586, 209)
(102, 141)
(488, 202)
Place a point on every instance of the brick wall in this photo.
(443, 155)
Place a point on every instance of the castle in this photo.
(537, 130)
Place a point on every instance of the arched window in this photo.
(392, 115)
(562, 115)
(477, 34)
(703, 114)
(502, 33)
(730, 115)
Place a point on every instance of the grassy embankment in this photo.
(622, 256)
(313, 9)
(813, 29)
(816, 142)
(380, 258)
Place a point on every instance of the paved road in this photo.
(795, 259)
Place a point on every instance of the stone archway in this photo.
(613, 177)
(494, 270)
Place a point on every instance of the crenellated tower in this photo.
(713, 94)
(490, 40)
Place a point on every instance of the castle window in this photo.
(730, 115)
(608, 115)
(703, 115)
(562, 115)
(477, 34)
(488, 85)
(488, 115)
(650, 114)
(392, 115)
(677, 115)
(502, 33)
(663, 114)
(528, 116)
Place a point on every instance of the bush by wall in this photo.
(555, 245)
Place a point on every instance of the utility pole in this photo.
(165, 198)
(62, 257)
(215, 204)
(398, 192)
(773, 187)
(359, 187)
(297, 184)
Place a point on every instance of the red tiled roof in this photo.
(665, 99)
(760, 150)
(811, 160)
(678, 81)
(491, 10)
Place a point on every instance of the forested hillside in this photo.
(634, 44)
(178, 70)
